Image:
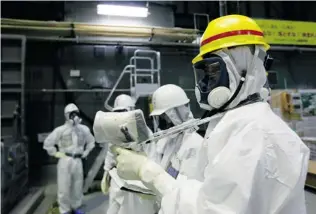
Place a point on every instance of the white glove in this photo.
(85, 154)
(133, 166)
(105, 183)
(60, 155)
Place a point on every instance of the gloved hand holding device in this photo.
(134, 166)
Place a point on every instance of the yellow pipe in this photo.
(110, 32)
(68, 24)
(131, 31)
(93, 29)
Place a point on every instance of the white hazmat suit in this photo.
(176, 154)
(74, 142)
(251, 161)
(123, 202)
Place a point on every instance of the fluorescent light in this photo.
(117, 10)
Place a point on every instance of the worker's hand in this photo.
(105, 183)
(85, 154)
(133, 166)
(128, 162)
(60, 155)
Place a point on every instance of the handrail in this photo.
(125, 70)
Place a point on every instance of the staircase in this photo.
(143, 80)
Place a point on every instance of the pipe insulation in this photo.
(93, 29)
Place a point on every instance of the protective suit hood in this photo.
(226, 77)
(72, 114)
(180, 114)
(241, 59)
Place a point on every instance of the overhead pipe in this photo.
(84, 90)
(83, 25)
(93, 41)
(78, 90)
(92, 29)
(285, 48)
(147, 43)
(104, 32)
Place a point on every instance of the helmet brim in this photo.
(158, 112)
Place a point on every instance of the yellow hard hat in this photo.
(229, 31)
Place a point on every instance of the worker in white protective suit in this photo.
(251, 161)
(74, 142)
(123, 202)
(176, 154)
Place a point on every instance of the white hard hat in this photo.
(123, 102)
(167, 97)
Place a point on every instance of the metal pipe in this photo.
(222, 8)
(133, 59)
(287, 48)
(78, 25)
(200, 14)
(146, 43)
(77, 90)
(110, 42)
(125, 70)
(238, 6)
(44, 90)
(154, 52)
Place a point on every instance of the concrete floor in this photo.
(310, 202)
(97, 203)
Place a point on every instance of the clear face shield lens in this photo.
(207, 76)
(163, 122)
(166, 118)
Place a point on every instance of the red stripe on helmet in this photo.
(231, 33)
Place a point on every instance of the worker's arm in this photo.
(52, 140)
(109, 161)
(90, 142)
(228, 184)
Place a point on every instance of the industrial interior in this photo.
(58, 52)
